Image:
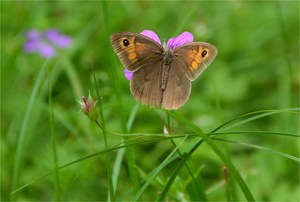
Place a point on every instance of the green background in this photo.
(257, 68)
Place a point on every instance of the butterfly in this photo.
(162, 76)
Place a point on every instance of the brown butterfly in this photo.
(162, 77)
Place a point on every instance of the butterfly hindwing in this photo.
(145, 84)
(177, 90)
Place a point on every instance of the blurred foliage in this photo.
(257, 68)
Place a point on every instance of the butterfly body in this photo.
(166, 66)
(161, 78)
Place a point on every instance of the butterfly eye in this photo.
(204, 53)
(125, 42)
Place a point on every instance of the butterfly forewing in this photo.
(135, 50)
(194, 58)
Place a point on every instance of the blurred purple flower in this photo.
(55, 37)
(46, 50)
(46, 43)
(33, 34)
(31, 46)
(173, 43)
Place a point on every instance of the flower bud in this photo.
(89, 107)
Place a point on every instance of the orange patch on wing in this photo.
(194, 64)
(198, 55)
(132, 48)
(195, 55)
(132, 56)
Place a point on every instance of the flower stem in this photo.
(101, 125)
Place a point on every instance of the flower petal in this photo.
(63, 41)
(52, 35)
(31, 46)
(33, 40)
(170, 43)
(46, 50)
(181, 39)
(33, 34)
(152, 35)
(58, 39)
(128, 74)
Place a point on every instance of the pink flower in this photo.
(45, 43)
(56, 38)
(128, 74)
(173, 43)
(181, 39)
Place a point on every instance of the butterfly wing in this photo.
(145, 84)
(177, 90)
(135, 50)
(193, 58)
(189, 61)
(144, 57)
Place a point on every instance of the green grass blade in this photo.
(248, 117)
(23, 130)
(155, 172)
(132, 117)
(176, 172)
(73, 76)
(133, 174)
(216, 149)
(53, 139)
(117, 166)
(111, 195)
(121, 151)
(285, 72)
(253, 133)
(195, 189)
(129, 143)
(254, 146)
